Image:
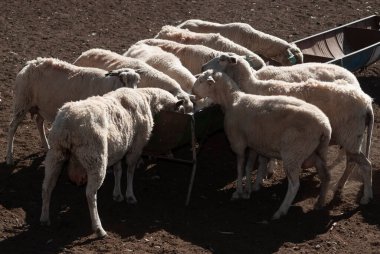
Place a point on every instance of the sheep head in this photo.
(220, 63)
(129, 77)
(293, 55)
(204, 85)
(214, 85)
(163, 100)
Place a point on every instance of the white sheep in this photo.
(211, 40)
(273, 126)
(348, 108)
(191, 56)
(163, 61)
(303, 72)
(100, 131)
(149, 76)
(45, 84)
(259, 42)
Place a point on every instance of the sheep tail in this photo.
(369, 123)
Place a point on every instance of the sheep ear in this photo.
(197, 75)
(232, 60)
(224, 59)
(210, 81)
(192, 97)
(111, 73)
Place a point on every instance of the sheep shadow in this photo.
(211, 221)
(371, 211)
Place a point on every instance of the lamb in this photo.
(212, 40)
(348, 108)
(191, 56)
(163, 61)
(273, 126)
(261, 43)
(45, 84)
(150, 77)
(100, 131)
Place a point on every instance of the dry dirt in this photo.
(160, 223)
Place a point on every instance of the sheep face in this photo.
(187, 103)
(129, 77)
(220, 63)
(204, 85)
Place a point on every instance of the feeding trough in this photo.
(352, 46)
(173, 130)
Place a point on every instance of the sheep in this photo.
(163, 61)
(348, 108)
(191, 56)
(261, 43)
(303, 72)
(274, 126)
(212, 40)
(45, 84)
(150, 77)
(100, 131)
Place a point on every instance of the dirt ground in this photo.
(160, 223)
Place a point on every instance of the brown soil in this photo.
(160, 223)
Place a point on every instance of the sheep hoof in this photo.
(318, 205)
(100, 233)
(337, 194)
(365, 200)
(45, 222)
(247, 194)
(118, 198)
(277, 215)
(10, 161)
(240, 195)
(256, 187)
(131, 200)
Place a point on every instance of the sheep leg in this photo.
(41, 131)
(324, 176)
(346, 174)
(17, 118)
(252, 156)
(53, 166)
(239, 194)
(95, 179)
(292, 172)
(261, 172)
(131, 162)
(366, 173)
(117, 171)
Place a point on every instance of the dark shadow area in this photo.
(211, 221)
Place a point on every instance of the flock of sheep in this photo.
(102, 107)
